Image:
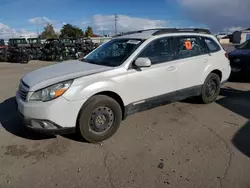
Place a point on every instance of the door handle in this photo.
(171, 68)
(205, 60)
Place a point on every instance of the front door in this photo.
(151, 86)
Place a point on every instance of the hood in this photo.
(52, 74)
(239, 52)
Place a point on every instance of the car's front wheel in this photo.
(99, 118)
(210, 89)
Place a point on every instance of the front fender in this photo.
(80, 92)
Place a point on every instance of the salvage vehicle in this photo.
(68, 48)
(130, 73)
(52, 50)
(35, 51)
(84, 46)
(240, 59)
(3, 51)
(18, 50)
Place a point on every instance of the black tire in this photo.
(87, 122)
(214, 80)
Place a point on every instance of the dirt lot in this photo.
(179, 145)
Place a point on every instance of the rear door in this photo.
(191, 60)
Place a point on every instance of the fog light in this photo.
(35, 124)
(42, 124)
(48, 125)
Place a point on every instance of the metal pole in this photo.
(116, 18)
(37, 33)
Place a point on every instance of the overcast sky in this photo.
(26, 17)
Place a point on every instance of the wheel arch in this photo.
(218, 72)
(110, 94)
(209, 70)
(116, 97)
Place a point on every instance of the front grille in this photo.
(235, 62)
(23, 94)
(23, 90)
(23, 83)
(240, 62)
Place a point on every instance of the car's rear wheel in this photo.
(99, 118)
(210, 89)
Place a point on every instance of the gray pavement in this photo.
(178, 145)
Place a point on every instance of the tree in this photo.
(48, 32)
(69, 30)
(89, 32)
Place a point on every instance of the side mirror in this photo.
(143, 62)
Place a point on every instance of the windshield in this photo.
(114, 52)
(245, 45)
(17, 41)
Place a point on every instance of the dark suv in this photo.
(19, 50)
(240, 58)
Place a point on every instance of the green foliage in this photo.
(48, 32)
(69, 30)
(89, 32)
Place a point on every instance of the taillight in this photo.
(226, 55)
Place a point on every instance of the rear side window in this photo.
(212, 45)
(188, 46)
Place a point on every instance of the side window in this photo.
(158, 51)
(189, 46)
(212, 45)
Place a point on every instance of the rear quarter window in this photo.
(188, 46)
(212, 45)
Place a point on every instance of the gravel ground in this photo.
(178, 145)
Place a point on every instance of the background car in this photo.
(240, 58)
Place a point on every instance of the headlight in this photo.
(51, 92)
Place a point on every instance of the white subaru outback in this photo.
(132, 72)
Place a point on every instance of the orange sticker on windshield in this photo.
(188, 45)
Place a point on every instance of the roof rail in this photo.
(133, 32)
(159, 31)
(181, 30)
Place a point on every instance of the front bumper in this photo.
(237, 70)
(39, 126)
(57, 116)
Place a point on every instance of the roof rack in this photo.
(181, 30)
(134, 32)
(160, 31)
